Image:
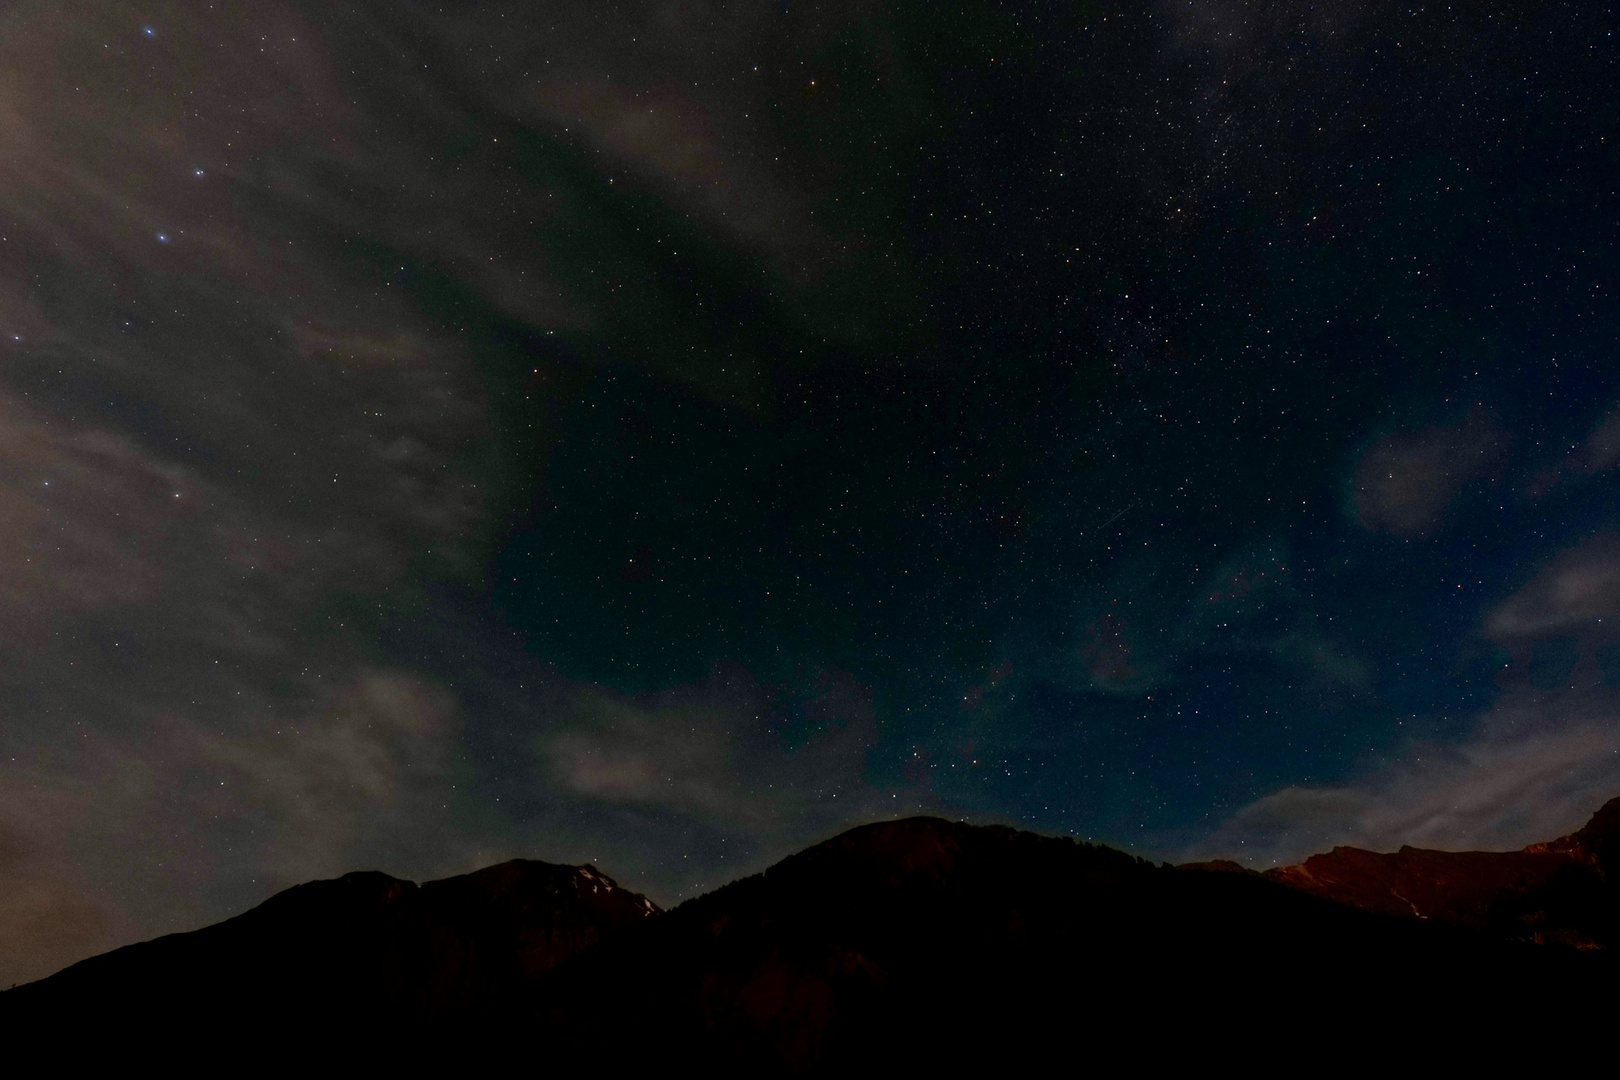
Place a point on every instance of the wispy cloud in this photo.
(707, 750)
(1598, 452)
(725, 767)
(1533, 769)
(1578, 593)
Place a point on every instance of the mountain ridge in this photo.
(1559, 891)
(917, 940)
(435, 949)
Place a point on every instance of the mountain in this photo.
(1563, 891)
(940, 944)
(918, 944)
(365, 949)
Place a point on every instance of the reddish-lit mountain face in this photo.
(903, 944)
(1561, 891)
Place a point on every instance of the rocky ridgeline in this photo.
(1562, 891)
(913, 944)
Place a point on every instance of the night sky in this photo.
(664, 433)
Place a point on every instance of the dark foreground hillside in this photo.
(347, 958)
(902, 944)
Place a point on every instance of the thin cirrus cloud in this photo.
(661, 99)
(1250, 605)
(1577, 593)
(1533, 769)
(1598, 452)
(1601, 450)
(1534, 766)
(701, 751)
(724, 768)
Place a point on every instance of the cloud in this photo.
(1578, 593)
(1598, 452)
(219, 440)
(1325, 662)
(706, 751)
(727, 772)
(225, 808)
(670, 756)
(1113, 659)
(1248, 608)
(1533, 769)
(1405, 481)
(1601, 450)
(236, 433)
(1251, 603)
(318, 785)
(661, 102)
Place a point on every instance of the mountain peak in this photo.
(847, 950)
(1597, 842)
(367, 942)
(1556, 891)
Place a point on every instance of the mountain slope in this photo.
(913, 944)
(1563, 891)
(940, 943)
(365, 948)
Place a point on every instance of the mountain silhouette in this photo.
(919, 943)
(365, 951)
